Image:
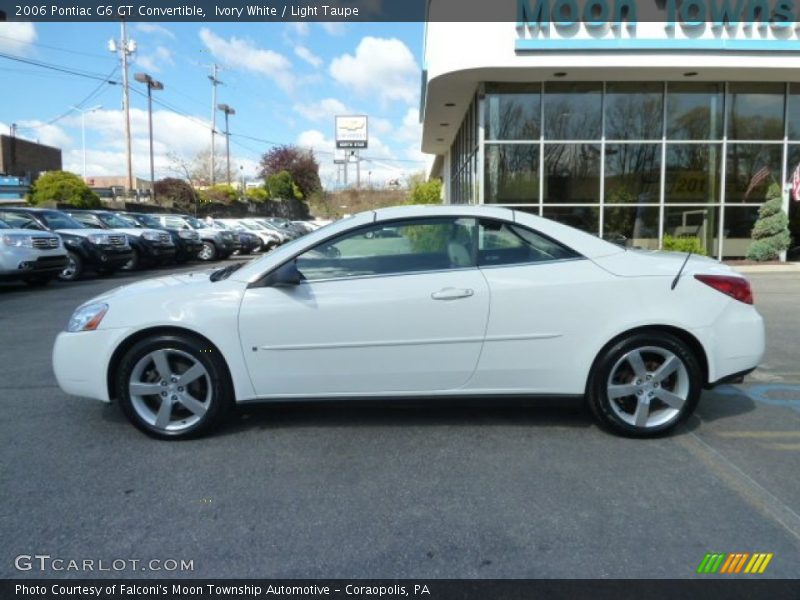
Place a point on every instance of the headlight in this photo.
(152, 236)
(99, 238)
(18, 240)
(88, 317)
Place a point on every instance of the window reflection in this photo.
(693, 221)
(632, 173)
(572, 173)
(512, 174)
(513, 116)
(755, 111)
(750, 170)
(694, 111)
(739, 221)
(632, 226)
(572, 111)
(634, 110)
(585, 218)
(692, 173)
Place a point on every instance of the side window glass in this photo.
(399, 247)
(504, 243)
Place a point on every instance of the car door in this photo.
(398, 314)
(548, 303)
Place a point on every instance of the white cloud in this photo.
(159, 58)
(308, 56)
(411, 129)
(156, 29)
(323, 110)
(334, 28)
(384, 67)
(16, 37)
(242, 54)
(299, 28)
(39, 131)
(380, 125)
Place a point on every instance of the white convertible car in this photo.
(420, 301)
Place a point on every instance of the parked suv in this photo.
(216, 243)
(150, 246)
(187, 241)
(96, 249)
(267, 239)
(36, 257)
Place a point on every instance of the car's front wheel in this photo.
(73, 269)
(645, 384)
(173, 386)
(208, 252)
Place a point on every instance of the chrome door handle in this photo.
(452, 293)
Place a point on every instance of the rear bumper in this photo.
(735, 343)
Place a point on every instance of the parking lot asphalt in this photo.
(461, 489)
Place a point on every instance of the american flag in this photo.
(796, 184)
(756, 179)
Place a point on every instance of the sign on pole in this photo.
(351, 131)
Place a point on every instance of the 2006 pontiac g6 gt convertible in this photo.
(420, 301)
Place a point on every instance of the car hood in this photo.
(164, 283)
(31, 232)
(82, 232)
(655, 263)
(133, 231)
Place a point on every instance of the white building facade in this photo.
(634, 130)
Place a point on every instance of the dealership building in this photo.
(635, 130)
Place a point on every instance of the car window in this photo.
(175, 222)
(504, 243)
(88, 220)
(147, 220)
(398, 247)
(59, 220)
(19, 221)
(4, 225)
(113, 221)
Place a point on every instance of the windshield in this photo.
(252, 225)
(4, 225)
(59, 220)
(114, 221)
(149, 221)
(196, 223)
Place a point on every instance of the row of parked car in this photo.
(38, 245)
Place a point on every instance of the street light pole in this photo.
(228, 110)
(151, 84)
(83, 112)
(125, 47)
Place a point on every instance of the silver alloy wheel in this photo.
(207, 252)
(170, 390)
(648, 387)
(68, 272)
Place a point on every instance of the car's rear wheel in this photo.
(208, 252)
(173, 386)
(73, 269)
(645, 384)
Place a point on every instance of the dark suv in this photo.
(187, 241)
(217, 244)
(95, 249)
(150, 247)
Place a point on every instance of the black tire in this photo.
(209, 250)
(690, 380)
(74, 268)
(135, 261)
(221, 392)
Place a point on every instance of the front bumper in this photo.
(42, 265)
(156, 251)
(109, 257)
(80, 361)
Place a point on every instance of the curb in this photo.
(784, 268)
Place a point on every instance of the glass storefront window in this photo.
(694, 111)
(793, 128)
(632, 226)
(634, 110)
(750, 170)
(512, 174)
(572, 173)
(572, 111)
(701, 222)
(755, 111)
(585, 218)
(632, 173)
(513, 112)
(739, 221)
(692, 173)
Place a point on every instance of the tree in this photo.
(256, 194)
(221, 193)
(178, 191)
(426, 192)
(771, 232)
(300, 164)
(197, 169)
(65, 188)
(280, 186)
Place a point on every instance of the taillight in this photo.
(735, 287)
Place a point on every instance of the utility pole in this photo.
(125, 47)
(228, 110)
(214, 83)
(151, 84)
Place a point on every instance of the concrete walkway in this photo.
(789, 267)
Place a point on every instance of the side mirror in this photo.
(286, 275)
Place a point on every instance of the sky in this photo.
(286, 82)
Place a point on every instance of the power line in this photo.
(62, 69)
(40, 45)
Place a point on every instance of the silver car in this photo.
(36, 257)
